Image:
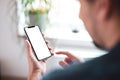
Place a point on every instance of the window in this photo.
(63, 17)
(65, 22)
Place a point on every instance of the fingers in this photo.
(70, 59)
(30, 53)
(63, 64)
(28, 46)
(43, 37)
(50, 49)
(64, 53)
(44, 60)
(46, 42)
(67, 54)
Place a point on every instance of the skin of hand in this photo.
(36, 68)
(70, 59)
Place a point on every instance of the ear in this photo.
(103, 9)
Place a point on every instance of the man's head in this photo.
(102, 21)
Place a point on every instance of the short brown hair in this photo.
(114, 6)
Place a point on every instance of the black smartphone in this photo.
(37, 42)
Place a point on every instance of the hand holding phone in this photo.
(37, 42)
(36, 68)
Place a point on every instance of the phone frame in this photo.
(32, 45)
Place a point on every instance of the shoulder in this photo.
(68, 73)
(100, 68)
(75, 72)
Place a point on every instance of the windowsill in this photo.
(80, 44)
(83, 49)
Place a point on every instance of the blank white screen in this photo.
(38, 43)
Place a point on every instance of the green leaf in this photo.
(31, 1)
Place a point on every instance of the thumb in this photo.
(30, 53)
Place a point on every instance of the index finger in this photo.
(68, 54)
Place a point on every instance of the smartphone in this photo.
(37, 42)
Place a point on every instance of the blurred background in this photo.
(58, 20)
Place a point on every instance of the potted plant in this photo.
(37, 15)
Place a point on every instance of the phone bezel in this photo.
(32, 45)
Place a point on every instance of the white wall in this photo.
(12, 50)
(12, 47)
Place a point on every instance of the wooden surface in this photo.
(12, 78)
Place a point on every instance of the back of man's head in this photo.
(114, 6)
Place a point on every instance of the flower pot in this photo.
(39, 20)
